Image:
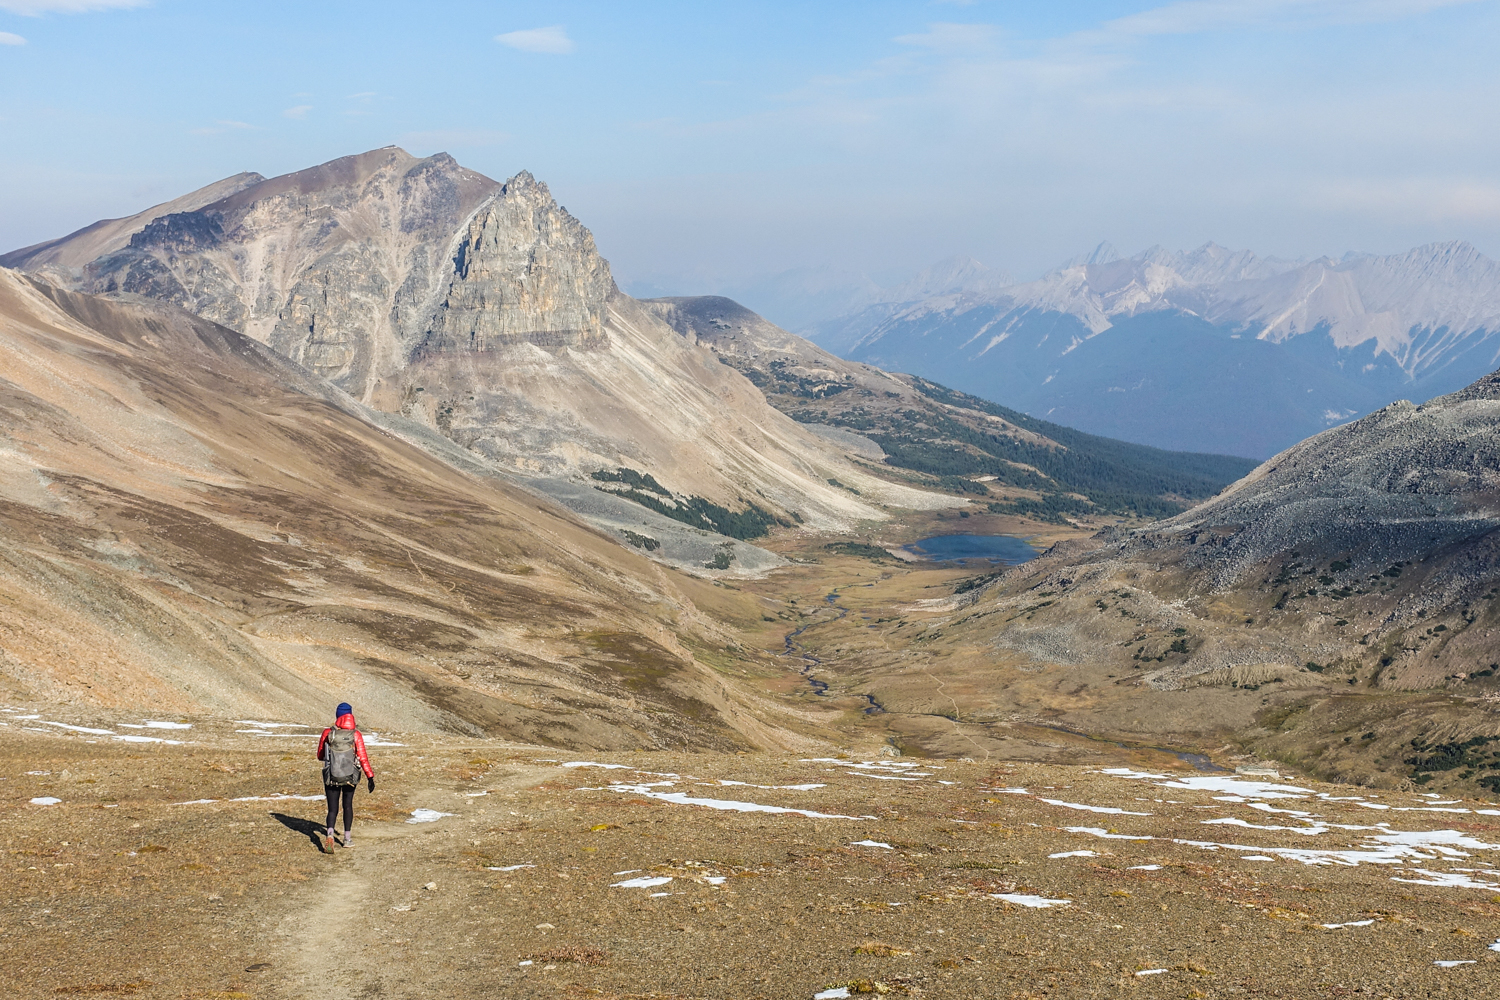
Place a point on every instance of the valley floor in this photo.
(194, 869)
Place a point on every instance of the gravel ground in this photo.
(905, 876)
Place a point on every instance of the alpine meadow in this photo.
(414, 587)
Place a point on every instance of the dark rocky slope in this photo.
(1335, 608)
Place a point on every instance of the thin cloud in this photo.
(944, 37)
(1191, 17)
(552, 40)
(1423, 199)
(6, 38)
(299, 112)
(36, 8)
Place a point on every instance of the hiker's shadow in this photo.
(298, 824)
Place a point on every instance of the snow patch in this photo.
(1111, 810)
(1035, 902)
(426, 816)
(644, 882)
(732, 805)
(80, 729)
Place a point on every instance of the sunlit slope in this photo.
(192, 523)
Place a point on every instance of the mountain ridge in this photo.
(1013, 462)
(1100, 342)
(484, 310)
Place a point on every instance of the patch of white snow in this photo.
(426, 816)
(644, 882)
(1035, 902)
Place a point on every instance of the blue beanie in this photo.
(344, 709)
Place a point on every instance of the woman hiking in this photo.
(342, 751)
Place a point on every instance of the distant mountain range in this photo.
(1214, 350)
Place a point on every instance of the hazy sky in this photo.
(705, 143)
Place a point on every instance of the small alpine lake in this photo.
(1006, 549)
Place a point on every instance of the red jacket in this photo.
(347, 722)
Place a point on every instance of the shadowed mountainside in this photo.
(1336, 608)
(1213, 349)
(951, 440)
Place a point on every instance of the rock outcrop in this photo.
(525, 271)
(340, 267)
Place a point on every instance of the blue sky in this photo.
(706, 144)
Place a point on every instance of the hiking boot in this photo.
(348, 839)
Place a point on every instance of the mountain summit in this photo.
(484, 311)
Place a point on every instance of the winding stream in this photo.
(809, 661)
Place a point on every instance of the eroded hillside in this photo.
(193, 523)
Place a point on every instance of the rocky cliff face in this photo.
(524, 271)
(340, 267)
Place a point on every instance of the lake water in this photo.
(1006, 549)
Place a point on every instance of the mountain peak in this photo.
(525, 183)
(1104, 253)
(949, 276)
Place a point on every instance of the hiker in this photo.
(342, 751)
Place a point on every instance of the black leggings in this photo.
(334, 793)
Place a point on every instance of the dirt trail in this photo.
(328, 923)
(336, 936)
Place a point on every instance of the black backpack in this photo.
(340, 765)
